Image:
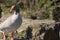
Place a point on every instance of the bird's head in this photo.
(14, 8)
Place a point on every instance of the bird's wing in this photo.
(9, 21)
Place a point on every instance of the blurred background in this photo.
(47, 12)
(42, 9)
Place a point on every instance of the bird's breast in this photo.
(16, 20)
(12, 23)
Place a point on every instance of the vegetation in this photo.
(36, 7)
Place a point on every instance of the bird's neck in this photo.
(16, 12)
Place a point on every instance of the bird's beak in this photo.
(12, 9)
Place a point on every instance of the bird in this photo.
(12, 23)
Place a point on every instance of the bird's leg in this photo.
(4, 35)
(12, 38)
